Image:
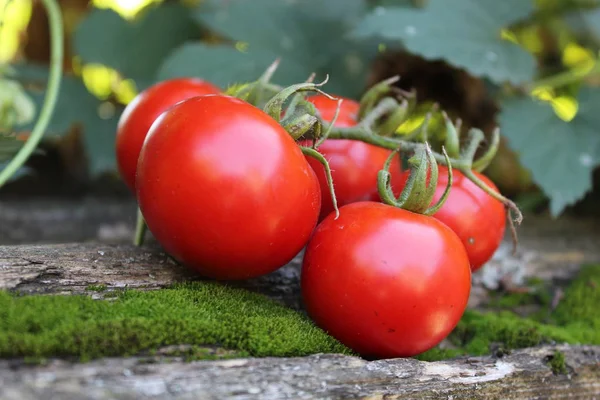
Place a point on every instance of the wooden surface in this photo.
(523, 374)
(85, 243)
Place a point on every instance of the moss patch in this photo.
(196, 314)
(204, 314)
(575, 320)
(96, 288)
(557, 363)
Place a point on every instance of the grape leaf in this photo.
(560, 155)
(76, 105)
(466, 33)
(308, 36)
(134, 48)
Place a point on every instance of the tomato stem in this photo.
(452, 143)
(361, 133)
(419, 191)
(485, 160)
(140, 229)
(319, 157)
(435, 208)
(475, 139)
(372, 96)
(274, 106)
(54, 79)
(514, 214)
(328, 130)
(397, 118)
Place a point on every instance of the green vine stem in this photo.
(359, 132)
(482, 162)
(309, 151)
(52, 90)
(564, 78)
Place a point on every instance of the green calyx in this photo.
(419, 191)
(258, 92)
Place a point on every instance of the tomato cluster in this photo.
(228, 192)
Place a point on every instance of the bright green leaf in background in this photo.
(466, 33)
(134, 48)
(76, 105)
(560, 155)
(309, 36)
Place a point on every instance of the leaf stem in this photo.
(54, 79)
(565, 78)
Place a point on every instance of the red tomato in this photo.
(139, 115)
(225, 189)
(385, 281)
(354, 164)
(327, 107)
(477, 218)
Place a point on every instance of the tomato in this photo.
(354, 164)
(327, 107)
(476, 217)
(139, 115)
(384, 281)
(225, 189)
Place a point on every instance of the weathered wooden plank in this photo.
(72, 268)
(523, 374)
(548, 249)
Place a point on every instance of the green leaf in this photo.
(560, 155)
(16, 108)
(224, 65)
(76, 105)
(308, 36)
(466, 33)
(592, 20)
(134, 48)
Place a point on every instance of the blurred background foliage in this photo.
(530, 66)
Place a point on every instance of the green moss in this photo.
(575, 320)
(206, 315)
(579, 305)
(198, 314)
(557, 363)
(96, 288)
(538, 294)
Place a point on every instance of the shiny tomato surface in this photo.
(476, 217)
(385, 281)
(225, 189)
(139, 115)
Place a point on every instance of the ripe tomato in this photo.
(139, 115)
(327, 107)
(385, 281)
(225, 189)
(354, 164)
(478, 219)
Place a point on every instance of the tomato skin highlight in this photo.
(140, 113)
(478, 219)
(354, 164)
(225, 189)
(385, 281)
